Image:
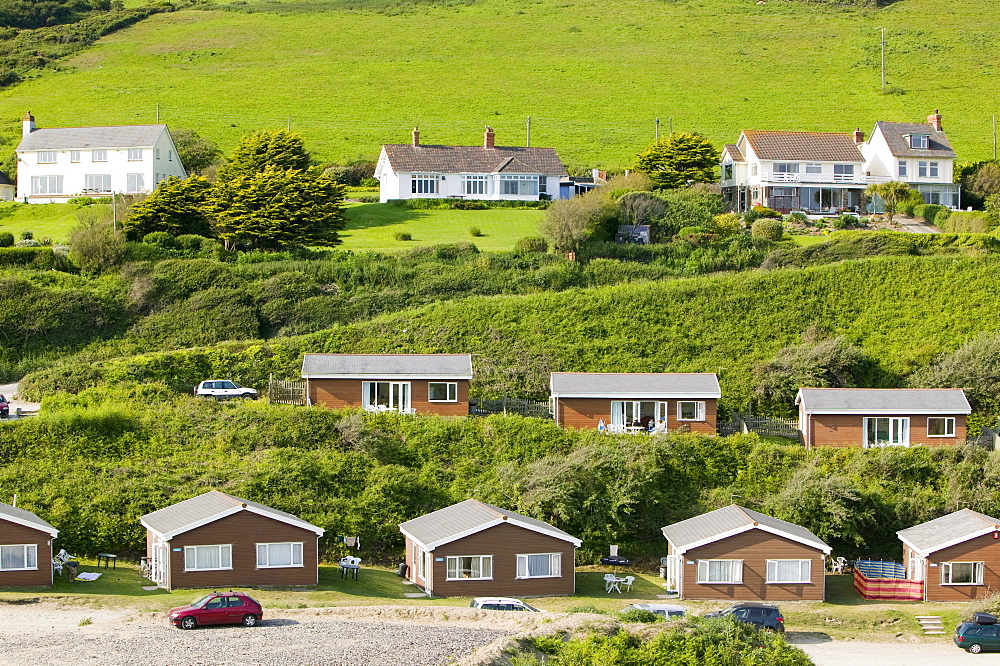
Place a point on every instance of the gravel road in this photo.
(861, 653)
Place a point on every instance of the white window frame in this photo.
(735, 572)
(814, 167)
(36, 185)
(475, 185)
(452, 567)
(88, 182)
(947, 573)
(222, 547)
(843, 169)
(919, 141)
(933, 172)
(135, 154)
(420, 562)
(902, 168)
(451, 391)
(25, 549)
(99, 155)
(135, 182)
(804, 571)
(555, 565)
(170, 156)
(786, 167)
(74, 156)
(47, 157)
(626, 412)
(424, 183)
(526, 186)
(156, 153)
(922, 169)
(266, 552)
(896, 424)
(699, 410)
(400, 395)
(949, 425)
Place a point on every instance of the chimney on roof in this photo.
(416, 136)
(859, 136)
(488, 138)
(28, 124)
(935, 120)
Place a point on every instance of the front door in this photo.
(915, 568)
(887, 431)
(159, 564)
(673, 571)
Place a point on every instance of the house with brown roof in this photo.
(472, 549)
(25, 548)
(636, 401)
(957, 556)
(416, 170)
(743, 555)
(403, 383)
(218, 540)
(871, 418)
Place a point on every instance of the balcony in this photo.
(818, 178)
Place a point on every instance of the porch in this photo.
(815, 200)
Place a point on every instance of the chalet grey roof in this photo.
(196, 511)
(734, 152)
(803, 146)
(406, 158)
(468, 517)
(5, 179)
(948, 530)
(457, 366)
(26, 518)
(899, 401)
(117, 136)
(718, 524)
(894, 133)
(652, 384)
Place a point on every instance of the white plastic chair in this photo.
(627, 583)
(608, 580)
(839, 564)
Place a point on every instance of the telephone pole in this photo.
(157, 113)
(670, 122)
(528, 142)
(994, 137)
(657, 130)
(883, 60)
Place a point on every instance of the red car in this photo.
(218, 608)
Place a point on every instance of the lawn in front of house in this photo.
(53, 221)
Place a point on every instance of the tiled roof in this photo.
(937, 144)
(734, 152)
(899, 401)
(803, 146)
(949, 530)
(5, 179)
(26, 518)
(120, 136)
(715, 525)
(457, 366)
(406, 158)
(191, 513)
(468, 517)
(651, 384)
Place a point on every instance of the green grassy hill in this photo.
(592, 75)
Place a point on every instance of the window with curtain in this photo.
(720, 571)
(18, 557)
(962, 573)
(208, 558)
(470, 567)
(789, 571)
(940, 426)
(97, 182)
(541, 565)
(272, 555)
(46, 184)
(442, 391)
(690, 411)
(135, 182)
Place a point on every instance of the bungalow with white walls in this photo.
(55, 165)
(416, 170)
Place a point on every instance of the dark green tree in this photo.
(277, 208)
(195, 152)
(268, 148)
(176, 207)
(679, 160)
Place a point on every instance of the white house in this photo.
(915, 153)
(415, 170)
(822, 172)
(54, 165)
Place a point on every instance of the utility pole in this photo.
(994, 137)
(883, 60)
(528, 141)
(670, 122)
(157, 113)
(114, 213)
(657, 130)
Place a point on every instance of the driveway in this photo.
(826, 652)
(915, 226)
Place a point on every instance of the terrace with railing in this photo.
(821, 178)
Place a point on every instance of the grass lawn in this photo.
(54, 221)
(809, 240)
(716, 66)
(372, 226)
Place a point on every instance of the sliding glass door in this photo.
(390, 396)
(887, 431)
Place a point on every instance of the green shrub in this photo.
(845, 221)
(191, 242)
(82, 201)
(797, 216)
(40, 258)
(764, 211)
(369, 182)
(768, 228)
(906, 206)
(161, 238)
(973, 221)
(693, 231)
(402, 236)
(589, 608)
(726, 224)
(27, 235)
(928, 211)
(941, 219)
(531, 244)
(476, 232)
(6, 239)
(639, 615)
(992, 204)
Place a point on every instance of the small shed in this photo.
(476, 549)
(739, 554)
(25, 548)
(957, 555)
(218, 540)
(403, 383)
(843, 417)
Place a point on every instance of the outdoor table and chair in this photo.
(615, 583)
(109, 558)
(350, 566)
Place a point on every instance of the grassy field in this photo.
(710, 65)
(372, 227)
(54, 221)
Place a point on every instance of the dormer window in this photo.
(919, 141)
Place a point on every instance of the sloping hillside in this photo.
(592, 75)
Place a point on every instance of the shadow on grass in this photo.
(840, 591)
(373, 583)
(807, 637)
(370, 216)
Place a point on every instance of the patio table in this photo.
(615, 584)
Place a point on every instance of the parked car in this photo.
(503, 603)
(764, 616)
(981, 634)
(224, 388)
(663, 610)
(4, 407)
(218, 608)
